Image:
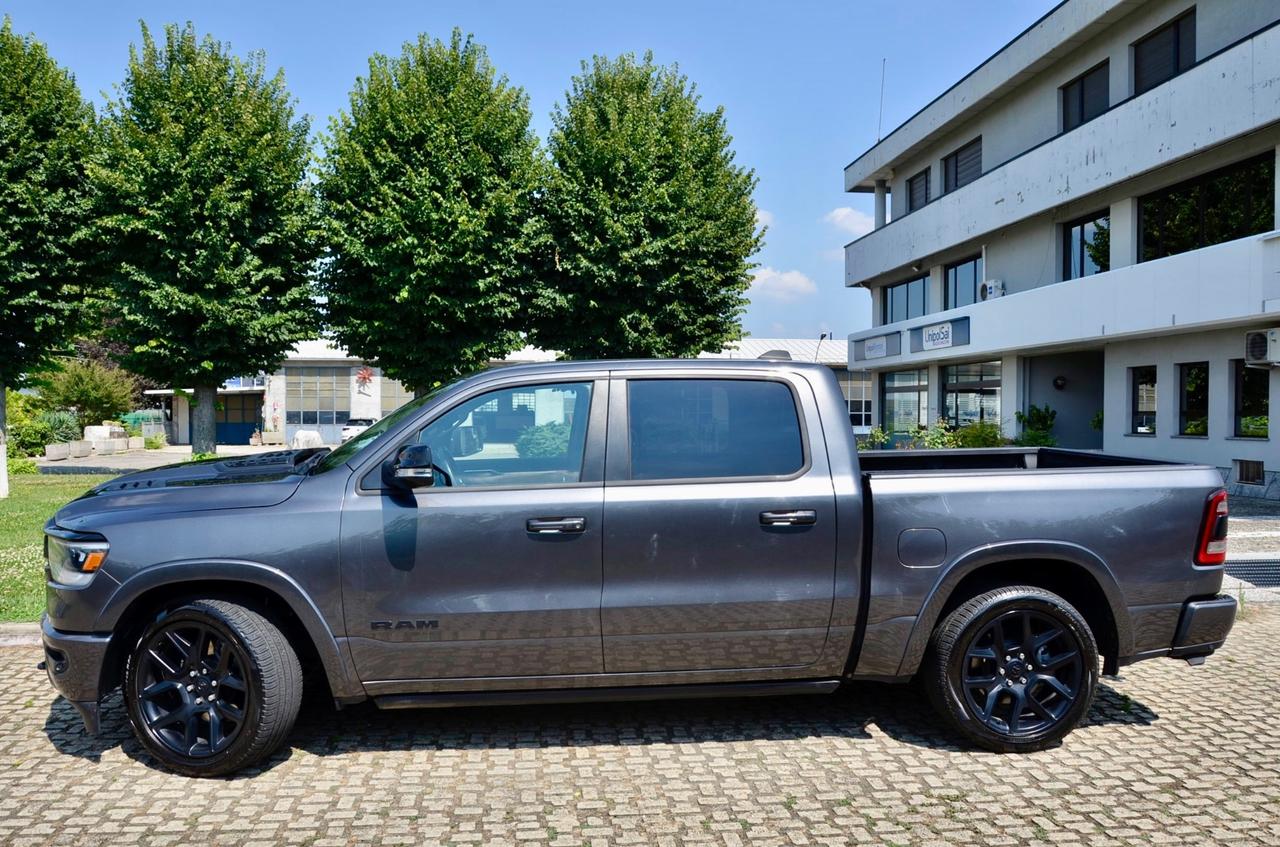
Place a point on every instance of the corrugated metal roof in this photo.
(828, 351)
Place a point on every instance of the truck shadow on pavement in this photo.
(902, 713)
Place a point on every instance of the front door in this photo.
(495, 571)
(719, 527)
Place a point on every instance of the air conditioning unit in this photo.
(1262, 347)
(991, 289)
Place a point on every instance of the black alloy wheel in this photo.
(191, 689)
(212, 687)
(1013, 669)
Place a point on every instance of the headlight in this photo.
(73, 557)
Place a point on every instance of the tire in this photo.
(1026, 696)
(212, 687)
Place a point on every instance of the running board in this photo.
(605, 695)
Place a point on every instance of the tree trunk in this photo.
(4, 407)
(4, 464)
(204, 431)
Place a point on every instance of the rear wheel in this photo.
(212, 687)
(1014, 669)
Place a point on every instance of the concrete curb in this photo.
(23, 634)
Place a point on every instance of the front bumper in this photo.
(1202, 628)
(74, 663)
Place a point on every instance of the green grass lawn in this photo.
(32, 501)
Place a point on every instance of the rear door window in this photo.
(682, 429)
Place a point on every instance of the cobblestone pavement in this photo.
(1170, 755)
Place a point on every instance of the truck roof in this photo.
(657, 364)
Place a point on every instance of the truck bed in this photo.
(877, 462)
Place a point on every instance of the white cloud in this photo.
(850, 220)
(782, 286)
(764, 217)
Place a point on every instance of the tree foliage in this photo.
(648, 224)
(44, 131)
(93, 391)
(427, 185)
(204, 226)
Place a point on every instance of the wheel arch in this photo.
(261, 588)
(1069, 570)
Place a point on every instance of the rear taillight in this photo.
(1212, 549)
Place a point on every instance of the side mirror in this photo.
(411, 468)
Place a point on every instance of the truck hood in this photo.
(242, 482)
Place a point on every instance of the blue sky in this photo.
(800, 83)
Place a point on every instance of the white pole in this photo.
(4, 464)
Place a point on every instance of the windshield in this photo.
(355, 445)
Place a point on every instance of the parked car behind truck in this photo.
(624, 530)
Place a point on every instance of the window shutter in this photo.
(918, 190)
(1096, 92)
(964, 165)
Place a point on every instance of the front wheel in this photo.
(1013, 670)
(212, 687)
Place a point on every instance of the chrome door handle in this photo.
(794, 517)
(548, 526)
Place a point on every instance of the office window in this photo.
(918, 190)
(1142, 409)
(1252, 400)
(1193, 403)
(394, 395)
(712, 428)
(860, 413)
(971, 393)
(904, 400)
(1165, 53)
(904, 300)
(317, 396)
(1230, 203)
(961, 281)
(963, 166)
(1086, 246)
(1086, 97)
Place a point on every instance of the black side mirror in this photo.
(411, 468)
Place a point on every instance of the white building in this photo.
(1108, 181)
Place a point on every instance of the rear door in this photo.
(720, 532)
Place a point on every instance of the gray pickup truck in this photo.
(624, 530)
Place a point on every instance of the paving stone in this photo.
(1168, 755)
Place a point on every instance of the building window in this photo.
(1250, 472)
(1086, 246)
(394, 395)
(854, 385)
(860, 413)
(918, 190)
(1142, 409)
(317, 396)
(904, 301)
(1165, 53)
(963, 166)
(1230, 203)
(971, 393)
(961, 282)
(712, 429)
(904, 400)
(1252, 400)
(1193, 405)
(1086, 97)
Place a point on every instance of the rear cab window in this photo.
(709, 429)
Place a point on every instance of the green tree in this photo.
(649, 225)
(93, 391)
(44, 132)
(426, 186)
(204, 225)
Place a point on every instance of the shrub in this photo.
(937, 436)
(549, 439)
(1037, 427)
(64, 426)
(1036, 438)
(94, 391)
(1096, 420)
(876, 439)
(155, 442)
(19, 466)
(980, 434)
(201, 457)
(29, 437)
